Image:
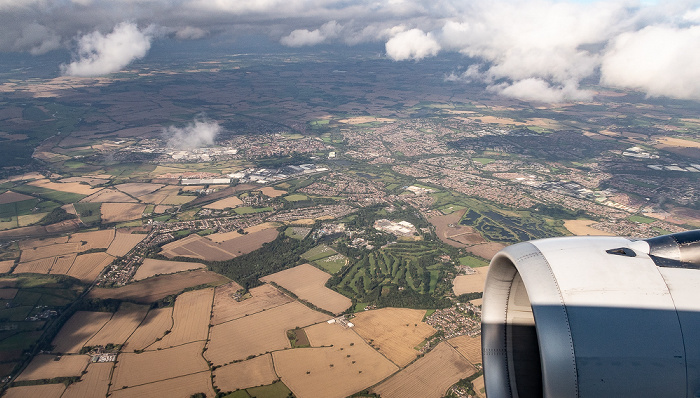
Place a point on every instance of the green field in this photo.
(274, 390)
(295, 198)
(641, 219)
(332, 264)
(250, 210)
(318, 252)
(89, 213)
(50, 194)
(297, 232)
(472, 262)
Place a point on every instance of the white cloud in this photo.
(304, 37)
(659, 60)
(37, 39)
(412, 44)
(199, 133)
(534, 89)
(100, 54)
(190, 33)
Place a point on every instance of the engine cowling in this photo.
(594, 317)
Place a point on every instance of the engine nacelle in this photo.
(594, 317)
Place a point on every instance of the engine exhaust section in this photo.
(594, 317)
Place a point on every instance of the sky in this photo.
(534, 50)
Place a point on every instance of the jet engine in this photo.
(594, 317)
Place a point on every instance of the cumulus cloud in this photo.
(190, 33)
(412, 44)
(38, 39)
(659, 60)
(534, 89)
(304, 37)
(100, 54)
(199, 133)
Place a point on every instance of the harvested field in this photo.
(160, 195)
(486, 250)
(87, 179)
(151, 267)
(449, 230)
(308, 283)
(225, 203)
(258, 333)
(48, 251)
(394, 332)
(12, 197)
(150, 366)
(263, 297)
(92, 240)
(28, 244)
(137, 189)
(479, 386)
(123, 243)
(249, 242)
(63, 264)
(272, 192)
(178, 199)
(160, 209)
(121, 326)
(677, 142)
(155, 288)
(349, 366)
(43, 391)
(92, 384)
(87, 267)
(42, 266)
(72, 187)
(190, 319)
(582, 227)
(109, 195)
(47, 367)
(470, 283)
(6, 266)
(226, 236)
(428, 377)
(183, 387)
(195, 246)
(258, 371)
(117, 212)
(469, 347)
(153, 327)
(78, 330)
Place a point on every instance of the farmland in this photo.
(123, 242)
(394, 332)
(326, 258)
(43, 391)
(158, 321)
(195, 246)
(340, 364)
(443, 366)
(258, 333)
(470, 283)
(190, 319)
(78, 330)
(116, 212)
(157, 287)
(93, 383)
(469, 347)
(227, 308)
(308, 283)
(183, 386)
(50, 366)
(230, 202)
(150, 366)
(121, 326)
(151, 267)
(251, 373)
